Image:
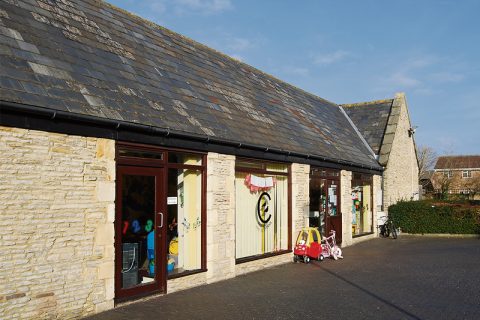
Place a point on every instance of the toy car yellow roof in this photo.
(309, 234)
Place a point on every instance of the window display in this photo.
(362, 211)
(184, 207)
(261, 216)
(138, 202)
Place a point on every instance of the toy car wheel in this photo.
(295, 258)
(306, 259)
(321, 257)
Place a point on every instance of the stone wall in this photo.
(220, 217)
(346, 206)
(300, 198)
(401, 173)
(186, 282)
(57, 197)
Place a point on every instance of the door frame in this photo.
(331, 176)
(160, 283)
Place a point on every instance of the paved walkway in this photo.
(407, 278)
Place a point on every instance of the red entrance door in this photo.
(325, 202)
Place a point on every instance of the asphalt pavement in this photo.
(413, 277)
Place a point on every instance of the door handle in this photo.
(161, 219)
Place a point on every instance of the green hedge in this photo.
(433, 217)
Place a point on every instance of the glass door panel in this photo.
(334, 218)
(318, 204)
(139, 224)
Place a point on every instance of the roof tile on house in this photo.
(371, 119)
(90, 58)
(458, 162)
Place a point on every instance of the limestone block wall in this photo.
(186, 282)
(300, 198)
(57, 196)
(377, 193)
(260, 264)
(401, 173)
(220, 217)
(346, 206)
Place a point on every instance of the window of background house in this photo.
(261, 208)
(466, 174)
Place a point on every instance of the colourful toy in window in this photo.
(149, 225)
(136, 226)
(126, 224)
(151, 252)
(173, 246)
(170, 265)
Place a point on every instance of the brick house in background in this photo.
(458, 175)
(386, 126)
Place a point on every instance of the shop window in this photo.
(362, 210)
(261, 215)
(184, 205)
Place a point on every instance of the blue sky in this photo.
(352, 51)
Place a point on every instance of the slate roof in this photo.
(90, 58)
(371, 119)
(458, 162)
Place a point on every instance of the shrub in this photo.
(430, 216)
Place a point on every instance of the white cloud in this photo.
(329, 58)
(404, 80)
(420, 61)
(296, 71)
(423, 74)
(443, 77)
(202, 6)
(234, 46)
(238, 44)
(157, 7)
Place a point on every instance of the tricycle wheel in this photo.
(295, 258)
(321, 257)
(306, 259)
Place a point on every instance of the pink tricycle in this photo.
(330, 248)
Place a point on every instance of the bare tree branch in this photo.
(427, 158)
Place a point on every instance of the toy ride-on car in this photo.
(308, 246)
